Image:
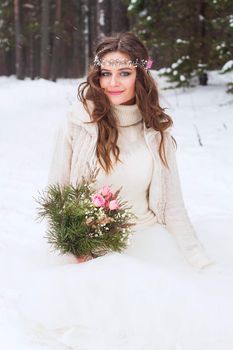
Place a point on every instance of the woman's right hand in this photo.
(83, 258)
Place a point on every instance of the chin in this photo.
(117, 101)
(120, 101)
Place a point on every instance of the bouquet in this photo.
(82, 221)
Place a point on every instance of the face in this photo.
(118, 82)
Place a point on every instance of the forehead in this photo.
(116, 60)
(115, 55)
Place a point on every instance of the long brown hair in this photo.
(147, 98)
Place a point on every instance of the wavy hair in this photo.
(147, 99)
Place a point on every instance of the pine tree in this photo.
(7, 36)
(186, 39)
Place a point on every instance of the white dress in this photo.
(146, 298)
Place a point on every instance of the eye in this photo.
(104, 74)
(125, 74)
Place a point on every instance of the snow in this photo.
(30, 113)
(227, 66)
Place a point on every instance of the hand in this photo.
(83, 258)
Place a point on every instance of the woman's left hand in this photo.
(84, 258)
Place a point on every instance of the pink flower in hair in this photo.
(98, 200)
(149, 63)
(113, 205)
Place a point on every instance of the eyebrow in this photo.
(117, 69)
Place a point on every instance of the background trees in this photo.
(56, 38)
(187, 38)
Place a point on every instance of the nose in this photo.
(113, 80)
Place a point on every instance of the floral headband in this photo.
(146, 64)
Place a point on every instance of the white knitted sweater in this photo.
(134, 172)
(75, 154)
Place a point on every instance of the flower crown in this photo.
(146, 64)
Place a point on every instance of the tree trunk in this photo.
(31, 57)
(120, 22)
(203, 77)
(18, 41)
(78, 54)
(37, 50)
(104, 22)
(86, 34)
(3, 63)
(44, 53)
(92, 28)
(31, 16)
(56, 42)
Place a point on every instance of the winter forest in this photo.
(54, 38)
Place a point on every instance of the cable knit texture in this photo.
(153, 191)
(134, 172)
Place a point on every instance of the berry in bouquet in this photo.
(83, 221)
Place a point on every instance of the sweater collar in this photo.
(126, 115)
(79, 116)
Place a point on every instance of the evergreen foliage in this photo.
(6, 25)
(77, 226)
(186, 38)
(228, 67)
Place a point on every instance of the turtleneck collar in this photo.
(126, 115)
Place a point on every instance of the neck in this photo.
(132, 101)
(126, 115)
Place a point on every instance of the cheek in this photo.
(131, 83)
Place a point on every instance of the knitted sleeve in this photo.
(73, 150)
(60, 165)
(176, 217)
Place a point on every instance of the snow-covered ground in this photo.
(30, 112)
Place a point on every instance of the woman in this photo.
(122, 100)
(151, 296)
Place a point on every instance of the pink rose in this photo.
(106, 203)
(149, 63)
(98, 200)
(106, 192)
(113, 204)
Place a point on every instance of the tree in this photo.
(18, 41)
(44, 53)
(120, 21)
(184, 37)
(31, 34)
(56, 41)
(92, 26)
(202, 65)
(7, 37)
(79, 41)
(104, 15)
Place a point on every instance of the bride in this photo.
(164, 291)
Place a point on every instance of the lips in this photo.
(115, 92)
